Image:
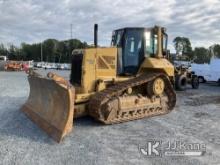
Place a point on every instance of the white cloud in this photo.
(34, 20)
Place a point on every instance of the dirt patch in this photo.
(202, 100)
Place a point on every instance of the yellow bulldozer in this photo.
(129, 80)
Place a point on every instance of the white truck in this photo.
(208, 72)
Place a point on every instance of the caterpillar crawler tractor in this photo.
(129, 80)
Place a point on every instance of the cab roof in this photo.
(133, 28)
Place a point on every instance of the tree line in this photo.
(199, 55)
(52, 50)
(60, 51)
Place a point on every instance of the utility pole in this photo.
(41, 50)
(71, 31)
(71, 36)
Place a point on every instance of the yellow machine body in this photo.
(99, 70)
(53, 101)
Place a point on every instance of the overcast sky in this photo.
(34, 20)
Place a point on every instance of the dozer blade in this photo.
(50, 104)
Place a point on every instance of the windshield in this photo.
(133, 45)
(151, 41)
(165, 38)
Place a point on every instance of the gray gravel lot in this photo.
(195, 119)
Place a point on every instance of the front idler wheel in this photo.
(156, 87)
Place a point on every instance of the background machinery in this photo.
(184, 76)
(13, 66)
(127, 81)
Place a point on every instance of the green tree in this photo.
(49, 48)
(3, 50)
(53, 50)
(183, 47)
(187, 48)
(216, 50)
(12, 52)
(201, 55)
(178, 45)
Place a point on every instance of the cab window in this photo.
(148, 43)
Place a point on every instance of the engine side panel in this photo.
(161, 64)
(98, 63)
(106, 63)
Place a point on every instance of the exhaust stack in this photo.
(96, 35)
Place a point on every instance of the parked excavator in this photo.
(129, 80)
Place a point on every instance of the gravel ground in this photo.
(195, 119)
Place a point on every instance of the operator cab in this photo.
(136, 44)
